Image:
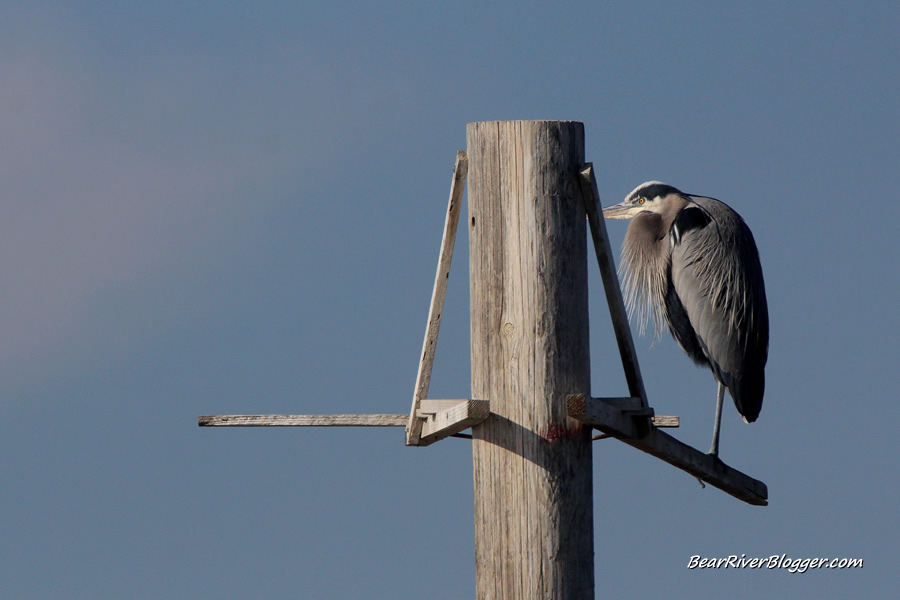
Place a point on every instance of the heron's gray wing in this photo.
(718, 280)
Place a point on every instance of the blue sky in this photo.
(237, 208)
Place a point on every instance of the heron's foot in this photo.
(700, 481)
(715, 456)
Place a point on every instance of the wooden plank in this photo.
(610, 420)
(382, 420)
(448, 421)
(617, 311)
(626, 403)
(656, 421)
(528, 266)
(441, 419)
(429, 407)
(634, 406)
(665, 421)
(426, 361)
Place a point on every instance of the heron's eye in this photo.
(641, 200)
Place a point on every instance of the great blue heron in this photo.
(691, 263)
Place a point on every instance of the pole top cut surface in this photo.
(531, 138)
(563, 122)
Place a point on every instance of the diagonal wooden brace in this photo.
(426, 359)
(609, 419)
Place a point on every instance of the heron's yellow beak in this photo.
(621, 211)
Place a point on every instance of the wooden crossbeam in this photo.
(449, 422)
(440, 419)
(445, 422)
(611, 284)
(426, 359)
(611, 420)
(665, 421)
(632, 407)
(302, 420)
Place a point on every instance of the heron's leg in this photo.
(714, 449)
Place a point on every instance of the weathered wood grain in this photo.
(436, 310)
(529, 335)
(440, 418)
(382, 420)
(611, 420)
(447, 421)
(666, 421)
(607, 265)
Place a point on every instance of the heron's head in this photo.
(652, 196)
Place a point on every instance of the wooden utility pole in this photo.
(531, 412)
(530, 350)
